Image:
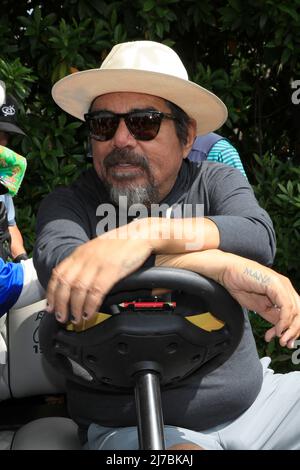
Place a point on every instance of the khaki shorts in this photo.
(271, 422)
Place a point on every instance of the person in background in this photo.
(8, 126)
(18, 281)
(19, 285)
(215, 148)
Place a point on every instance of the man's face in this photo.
(144, 171)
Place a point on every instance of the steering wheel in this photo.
(170, 340)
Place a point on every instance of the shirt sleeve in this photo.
(11, 283)
(10, 208)
(245, 228)
(61, 227)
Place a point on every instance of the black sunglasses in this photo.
(142, 125)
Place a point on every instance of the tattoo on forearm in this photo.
(257, 275)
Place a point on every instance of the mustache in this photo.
(117, 156)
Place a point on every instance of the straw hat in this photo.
(141, 67)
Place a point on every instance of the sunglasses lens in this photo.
(103, 128)
(144, 126)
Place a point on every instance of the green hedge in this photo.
(277, 188)
(246, 52)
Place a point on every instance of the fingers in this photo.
(74, 303)
(93, 300)
(67, 290)
(85, 300)
(75, 299)
(80, 282)
(77, 286)
(291, 334)
(291, 328)
(75, 295)
(287, 328)
(58, 293)
(285, 312)
(288, 338)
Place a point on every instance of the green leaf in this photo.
(289, 11)
(114, 18)
(51, 163)
(235, 4)
(37, 15)
(118, 33)
(24, 20)
(68, 169)
(162, 12)
(262, 21)
(297, 223)
(159, 28)
(290, 188)
(62, 120)
(285, 56)
(283, 188)
(148, 5)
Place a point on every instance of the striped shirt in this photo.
(223, 152)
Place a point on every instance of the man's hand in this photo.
(267, 292)
(79, 283)
(254, 286)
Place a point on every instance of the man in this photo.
(18, 281)
(142, 115)
(8, 126)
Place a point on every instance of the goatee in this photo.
(134, 193)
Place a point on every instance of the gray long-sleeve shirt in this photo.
(68, 217)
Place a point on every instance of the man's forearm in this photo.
(209, 263)
(184, 235)
(17, 244)
(168, 236)
(254, 286)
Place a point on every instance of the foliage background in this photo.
(247, 52)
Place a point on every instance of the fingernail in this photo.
(292, 346)
(57, 316)
(49, 308)
(73, 319)
(85, 315)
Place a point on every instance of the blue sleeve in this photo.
(11, 283)
(9, 204)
